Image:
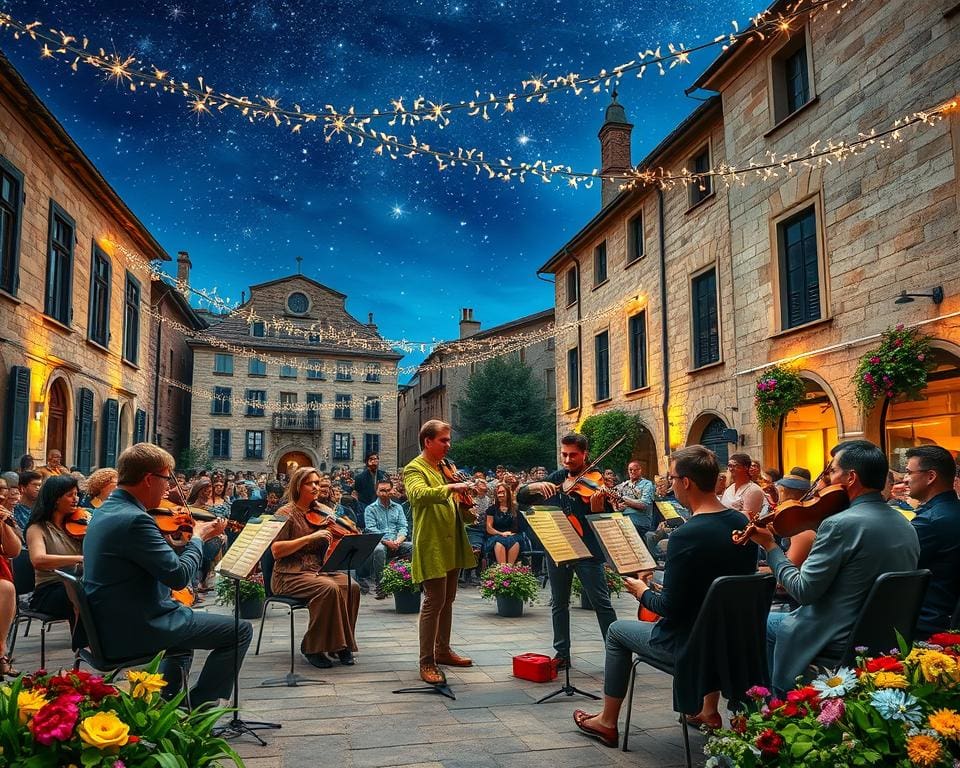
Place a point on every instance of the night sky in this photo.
(401, 239)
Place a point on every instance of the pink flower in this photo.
(758, 692)
(55, 721)
(874, 360)
(506, 583)
(921, 357)
(900, 326)
(868, 377)
(830, 711)
(898, 342)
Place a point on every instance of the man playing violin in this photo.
(130, 570)
(851, 549)
(573, 456)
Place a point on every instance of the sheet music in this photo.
(625, 550)
(557, 535)
(249, 547)
(667, 510)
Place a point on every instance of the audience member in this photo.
(30, 483)
(9, 549)
(53, 465)
(99, 487)
(386, 518)
(504, 538)
(637, 493)
(742, 493)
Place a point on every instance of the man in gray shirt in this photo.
(386, 517)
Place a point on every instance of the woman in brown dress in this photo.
(299, 551)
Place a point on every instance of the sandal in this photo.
(6, 668)
(709, 723)
(609, 737)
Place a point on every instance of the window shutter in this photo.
(18, 414)
(111, 419)
(140, 426)
(85, 430)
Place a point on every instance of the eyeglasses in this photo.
(168, 478)
(914, 471)
(672, 478)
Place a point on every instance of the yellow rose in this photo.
(28, 702)
(104, 730)
(145, 684)
(889, 680)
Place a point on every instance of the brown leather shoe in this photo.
(451, 659)
(431, 675)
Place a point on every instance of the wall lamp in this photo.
(38, 411)
(936, 295)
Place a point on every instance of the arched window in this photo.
(808, 433)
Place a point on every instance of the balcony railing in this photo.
(296, 422)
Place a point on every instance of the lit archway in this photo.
(808, 433)
(933, 419)
(58, 412)
(711, 431)
(644, 451)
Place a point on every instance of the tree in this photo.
(603, 429)
(505, 396)
(197, 455)
(491, 448)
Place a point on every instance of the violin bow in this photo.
(596, 461)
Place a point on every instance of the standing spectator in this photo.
(30, 482)
(365, 483)
(930, 473)
(386, 518)
(742, 493)
(637, 493)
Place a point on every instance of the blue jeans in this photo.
(774, 620)
(626, 637)
(594, 586)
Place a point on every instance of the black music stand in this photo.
(237, 726)
(242, 511)
(351, 549)
(443, 689)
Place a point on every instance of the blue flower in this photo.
(839, 683)
(896, 705)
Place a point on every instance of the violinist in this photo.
(573, 455)
(851, 549)
(9, 548)
(440, 548)
(300, 549)
(130, 570)
(51, 547)
(794, 486)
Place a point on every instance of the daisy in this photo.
(840, 683)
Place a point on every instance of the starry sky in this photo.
(402, 240)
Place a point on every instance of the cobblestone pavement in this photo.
(355, 721)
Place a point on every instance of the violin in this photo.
(465, 500)
(319, 517)
(75, 524)
(791, 517)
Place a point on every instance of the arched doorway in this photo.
(714, 437)
(644, 451)
(808, 433)
(299, 457)
(125, 432)
(57, 408)
(934, 419)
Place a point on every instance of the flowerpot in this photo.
(510, 607)
(406, 601)
(585, 602)
(251, 608)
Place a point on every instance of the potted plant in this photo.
(779, 390)
(78, 718)
(511, 585)
(396, 580)
(899, 709)
(899, 366)
(614, 585)
(252, 595)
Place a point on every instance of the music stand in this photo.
(351, 548)
(241, 512)
(443, 689)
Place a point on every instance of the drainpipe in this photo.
(664, 334)
(156, 377)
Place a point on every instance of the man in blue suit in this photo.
(929, 475)
(129, 572)
(852, 548)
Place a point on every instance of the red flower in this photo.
(945, 638)
(55, 721)
(807, 693)
(739, 723)
(791, 709)
(769, 742)
(776, 703)
(884, 664)
(133, 739)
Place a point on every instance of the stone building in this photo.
(74, 339)
(306, 383)
(440, 382)
(705, 285)
(171, 361)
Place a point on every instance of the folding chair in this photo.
(24, 581)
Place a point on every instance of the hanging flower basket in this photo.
(899, 366)
(779, 390)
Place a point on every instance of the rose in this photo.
(54, 722)
(104, 730)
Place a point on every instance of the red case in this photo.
(535, 667)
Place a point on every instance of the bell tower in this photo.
(614, 138)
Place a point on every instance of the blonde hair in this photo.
(139, 460)
(431, 429)
(296, 481)
(100, 480)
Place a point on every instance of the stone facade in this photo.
(64, 382)
(286, 428)
(881, 222)
(440, 383)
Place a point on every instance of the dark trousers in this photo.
(594, 586)
(51, 598)
(216, 634)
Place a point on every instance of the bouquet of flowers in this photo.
(80, 719)
(614, 582)
(396, 578)
(899, 366)
(779, 390)
(900, 709)
(502, 580)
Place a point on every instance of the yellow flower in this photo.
(889, 680)
(28, 702)
(946, 722)
(104, 730)
(923, 750)
(145, 684)
(936, 666)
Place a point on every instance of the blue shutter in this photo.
(18, 414)
(85, 430)
(140, 426)
(111, 423)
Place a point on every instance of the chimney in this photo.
(468, 326)
(183, 267)
(370, 323)
(614, 138)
